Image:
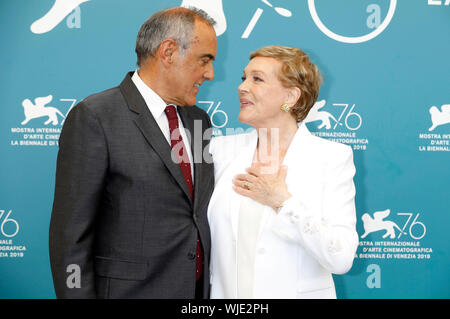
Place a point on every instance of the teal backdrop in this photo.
(386, 93)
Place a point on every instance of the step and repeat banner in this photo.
(386, 94)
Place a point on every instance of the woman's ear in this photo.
(294, 94)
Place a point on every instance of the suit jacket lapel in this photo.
(198, 140)
(188, 123)
(150, 129)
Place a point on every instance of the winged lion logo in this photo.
(377, 223)
(38, 109)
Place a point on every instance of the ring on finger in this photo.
(247, 185)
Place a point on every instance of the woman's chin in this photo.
(243, 119)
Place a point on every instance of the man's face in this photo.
(195, 67)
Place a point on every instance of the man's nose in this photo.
(209, 74)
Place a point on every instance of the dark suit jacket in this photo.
(122, 211)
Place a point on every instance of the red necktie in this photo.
(183, 159)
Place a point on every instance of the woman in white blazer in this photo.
(282, 215)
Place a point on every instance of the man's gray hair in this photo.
(174, 23)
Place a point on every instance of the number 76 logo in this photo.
(5, 220)
(347, 117)
(219, 118)
(416, 229)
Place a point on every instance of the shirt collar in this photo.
(154, 102)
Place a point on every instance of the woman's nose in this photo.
(242, 87)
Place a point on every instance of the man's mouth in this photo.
(196, 88)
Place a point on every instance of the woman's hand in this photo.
(267, 189)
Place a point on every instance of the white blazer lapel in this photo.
(305, 171)
(296, 151)
(245, 150)
(294, 158)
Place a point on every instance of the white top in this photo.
(156, 105)
(250, 214)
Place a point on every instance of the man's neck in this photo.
(151, 77)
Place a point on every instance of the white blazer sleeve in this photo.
(329, 235)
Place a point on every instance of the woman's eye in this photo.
(255, 78)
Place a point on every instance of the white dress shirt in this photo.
(156, 105)
(250, 213)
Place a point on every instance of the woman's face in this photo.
(261, 94)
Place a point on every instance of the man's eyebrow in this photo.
(207, 55)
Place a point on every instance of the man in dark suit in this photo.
(132, 186)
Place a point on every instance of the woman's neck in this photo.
(273, 144)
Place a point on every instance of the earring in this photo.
(285, 108)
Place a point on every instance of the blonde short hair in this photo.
(296, 71)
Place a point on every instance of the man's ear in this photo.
(166, 51)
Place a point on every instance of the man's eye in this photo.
(243, 78)
(257, 79)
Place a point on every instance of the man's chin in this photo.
(188, 102)
(185, 105)
(191, 103)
